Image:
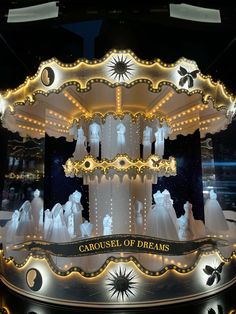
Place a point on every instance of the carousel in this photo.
(117, 237)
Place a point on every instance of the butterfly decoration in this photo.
(213, 273)
(155, 163)
(219, 310)
(187, 76)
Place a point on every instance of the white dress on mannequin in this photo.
(187, 224)
(86, 229)
(159, 220)
(94, 138)
(147, 143)
(77, 209)
(168, 204)
(71, 225)
(12, 226)
(161, 134)
(47, 223)
(107, 225)
(138, 206)
(37, 206)
(58, 231)
(25, 226)
(80, 148)
(214, 218)
(120, 130)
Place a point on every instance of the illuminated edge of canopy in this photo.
(33, 85)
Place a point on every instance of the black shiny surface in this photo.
(221, 303)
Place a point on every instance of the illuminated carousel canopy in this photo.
(120, 83)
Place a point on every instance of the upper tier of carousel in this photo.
(117, 84)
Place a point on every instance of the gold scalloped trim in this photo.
(122, 163)
(134, 116)
(144, 270)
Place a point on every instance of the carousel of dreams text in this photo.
(126, 243)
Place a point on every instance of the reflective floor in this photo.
(222, 303)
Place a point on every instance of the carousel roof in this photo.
(120, 83)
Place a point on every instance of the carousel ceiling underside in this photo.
(120, 82)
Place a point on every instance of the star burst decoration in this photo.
(121, 283)
(121, 68)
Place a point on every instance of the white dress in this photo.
(12, 226)
(161, 134)
(47, 223)
(58, 231)
(94, 138)
(159, 221)
(168, 204)
(80, 148)
(120, 130)
(187, 224)
(86, 229)
(147, 145)
(26, 224)
(71, 225)
(37, 205)
(138, 206)
(107, 225)
(214, 218)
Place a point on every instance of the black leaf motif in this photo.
(183, 80)
(155, 163)
(194, 73)
(220, 309)
(218, 277)
(220, 267)
(182, 71)
(211, 280)
(190, 81)
(208, 270)
(187, 76)
(214, 273)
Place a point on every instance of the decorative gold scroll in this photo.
(122, 164)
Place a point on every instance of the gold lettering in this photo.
(151, 246)
(90, 247)
(108, 244)
(132, 242)
(81, 248)
(113, 243)
(118, 244)
(167, 247)
(140, 243)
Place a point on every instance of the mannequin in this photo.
(159, 221)
(147, 142)
(107, 225)
(120, 130)
(37, 206)
(80, 148)
(94, 138)
(214, 218)
(138, 206)
(161, 134)
(86, 229)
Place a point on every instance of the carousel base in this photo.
(120, 282)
